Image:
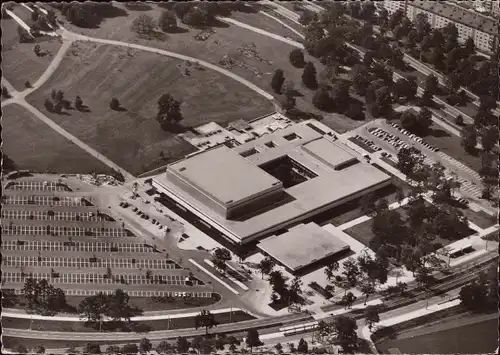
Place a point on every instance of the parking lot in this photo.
(65, 231)
(36, 186)
(133, 293)
(80, 262)
(69, 246)
(94, 278)
(68, 201)
(52, 216)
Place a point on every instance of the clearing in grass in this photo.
(131, 136)
(33, 145)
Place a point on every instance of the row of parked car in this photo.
(367, 142)
(389, 138)
(143, 215)
(414, 137)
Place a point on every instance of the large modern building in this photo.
(271, 183)
(482, 29)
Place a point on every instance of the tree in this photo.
(113, 349)
(36, 50)
(266, 266)
(309, 76)
(473, 296)
(78, 103)
(372, 316)
(459, 120)
(182, 345)
(49, 106)
(130, 349)
(330, 269)
(167, 21)
(169, 110)
(39, 349)
(5, 93)
(277, 80)
(20, 349)
(367, 204)
(424, 120)
(205, 319)
(118, 308)
(340, 94)
(92, 348)
(489, 137)
(302, 348)
(145, 345)
(9, 298)
(296, 58)
(410, 160)
(469, 47)
(252, 340)
(360, 78)
(279, 348)
(346, 332)
(322, 99)
(351, 271)
(288, 101)
(469, 139)
(143, 24)
(114, 104)
(93, 308)
(182, 8)
(27, 84)
(487, 102)
(431, 84)
(220, 257)
(196, 17)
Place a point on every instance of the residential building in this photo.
(482, 29)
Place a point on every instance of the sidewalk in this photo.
(69, 318)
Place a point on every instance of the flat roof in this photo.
(302, 245)
(224, 174)
(327, 188)
(329, 152)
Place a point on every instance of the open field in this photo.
(266, 23)
(227, 40)
(445, 337)
(35, 146)
(19, 63)
(133, 138)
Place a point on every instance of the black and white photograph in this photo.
(250, 177)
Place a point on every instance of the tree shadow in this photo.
(64, 113)
(296, 93)
(120, 109)
(175, 128)
(437, 132)
(157, 35)
(84, 108)
(213, 22)
(177, 29)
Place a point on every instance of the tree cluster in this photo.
(169, 111)
(87, 14)
(115, 306)
(482, 294)
(43, 298)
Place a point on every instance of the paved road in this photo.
(154, 335)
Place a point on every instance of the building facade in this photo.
(483, 30)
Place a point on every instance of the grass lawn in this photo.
(133, 138)
(266, 23)
(227, 40)
(480, 218)
(476, 338)
(176, 323)
(35, 146)
(19, 63)
(450, 144)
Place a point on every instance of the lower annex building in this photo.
(270, 184)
